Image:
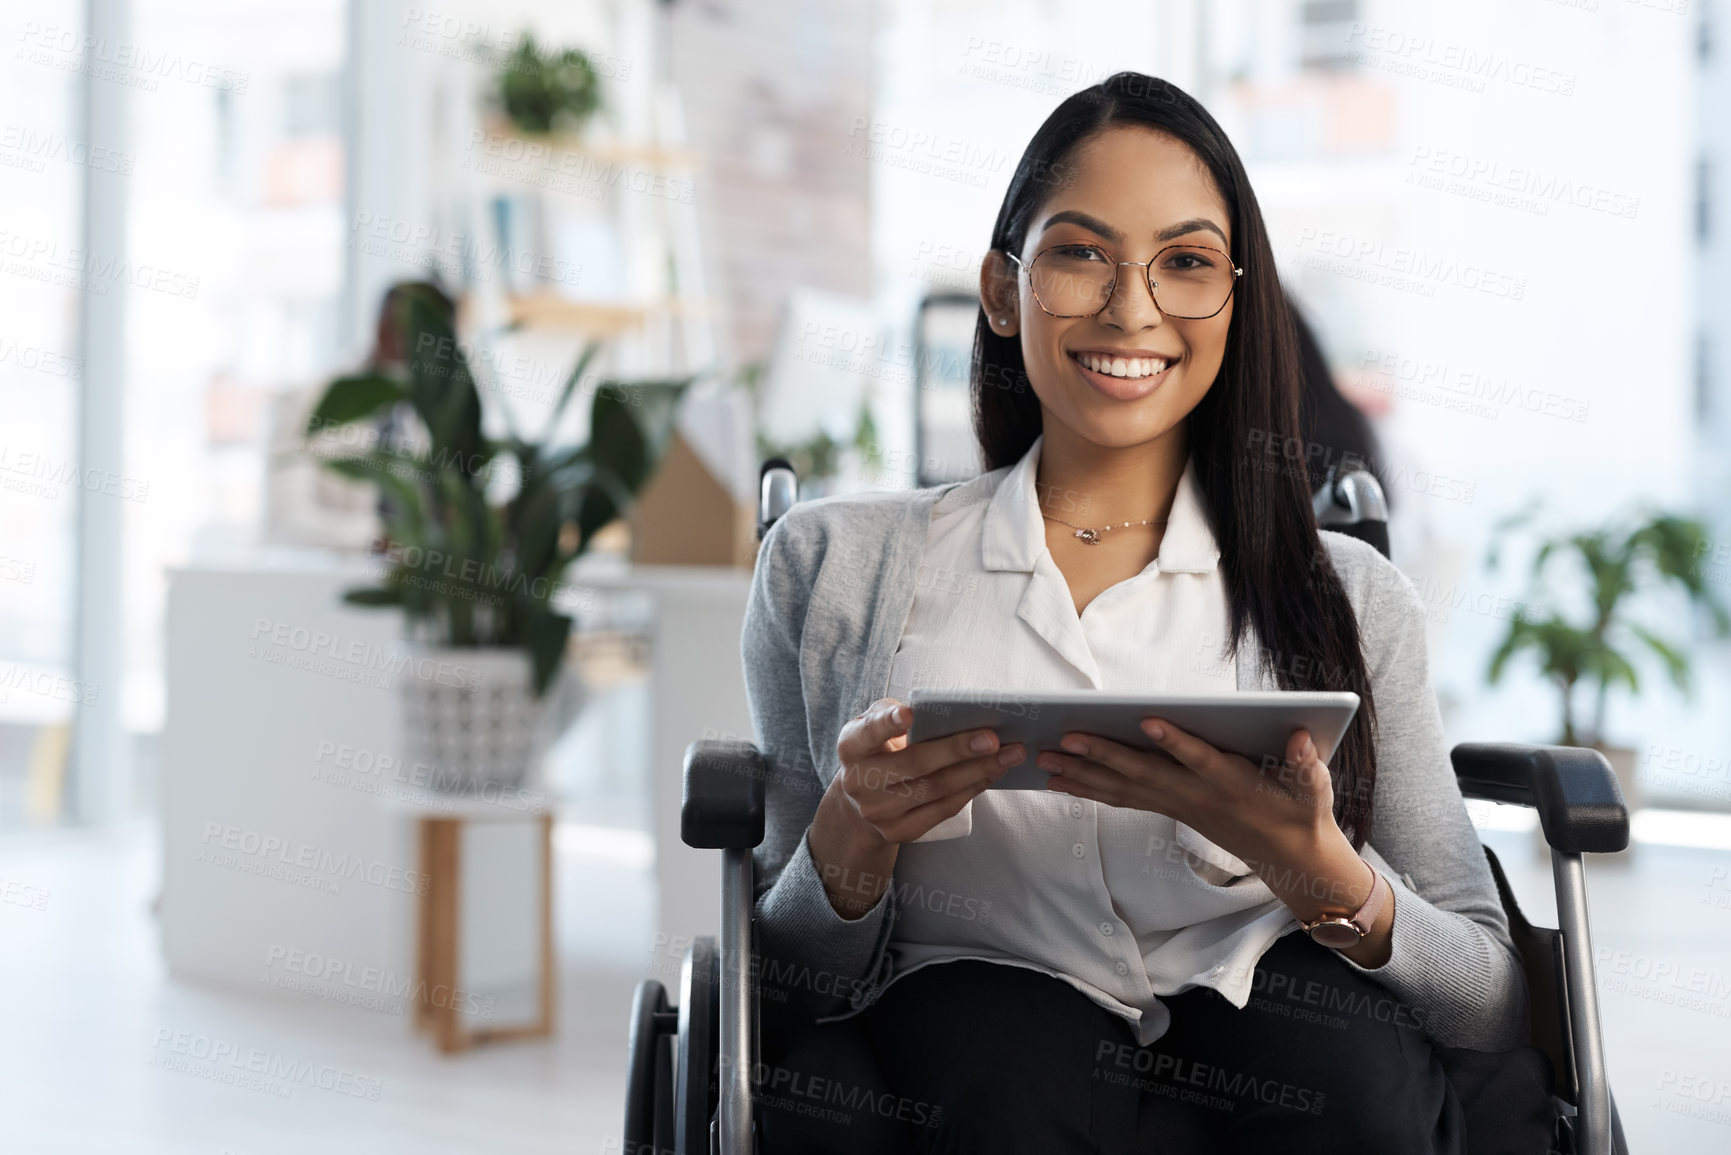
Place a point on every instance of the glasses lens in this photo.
(1191, 281)
(1077, 280)
(1072, 280)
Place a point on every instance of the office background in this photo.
(1510, 223)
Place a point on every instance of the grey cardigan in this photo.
(834, 582)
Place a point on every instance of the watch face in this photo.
(1337, 933)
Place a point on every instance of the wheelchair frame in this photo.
(690, 1066)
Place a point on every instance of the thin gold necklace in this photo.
(1092, 536)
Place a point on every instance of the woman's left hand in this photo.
(1282, 814)
(1279, 819)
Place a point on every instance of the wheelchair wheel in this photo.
(663, 1139)
(649, 1070)
(696, 1087)
(1568, 1144)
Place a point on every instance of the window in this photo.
(1703, 378)
(1325, 32)
(239, 191)
(44, 157)
(1703, 199)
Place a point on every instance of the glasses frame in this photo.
(1153, 285)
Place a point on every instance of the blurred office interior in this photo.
(1508, 221)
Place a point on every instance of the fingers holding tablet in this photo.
(1091, 766)
(901, 789)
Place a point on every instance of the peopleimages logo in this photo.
(339, 980)
(364, 656)
(399, 239)
(47, 477)
(121, 61)
(1401, 266)
(37, 146)
(46, 684)
(386, 774)
(255, 1067)
(43, 259)
(269, 850)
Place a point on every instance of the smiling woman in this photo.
(1108, 966)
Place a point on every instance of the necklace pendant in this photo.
(1091, 536)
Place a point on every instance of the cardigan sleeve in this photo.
(812, 962)
(1452, 959)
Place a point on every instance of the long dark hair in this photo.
(1335, 432)
(1242, 434)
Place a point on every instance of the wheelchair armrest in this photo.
(1580, 805)
(722, 808)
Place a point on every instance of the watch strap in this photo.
(1364, 917)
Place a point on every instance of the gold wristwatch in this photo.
(1332, 930)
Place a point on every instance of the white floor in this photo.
(97, 1046)
(91, 1027)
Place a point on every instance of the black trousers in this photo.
(982, 1057)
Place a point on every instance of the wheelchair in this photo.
(688, 1082)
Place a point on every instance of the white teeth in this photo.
(1123, 366)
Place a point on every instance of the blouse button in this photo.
(1106, 929)
(1123, 968)
(1078, 850)
(1075, 810)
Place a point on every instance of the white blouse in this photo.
(1125, 905)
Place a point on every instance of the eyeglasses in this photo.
(1188, 282)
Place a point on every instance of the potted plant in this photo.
(541, 92)
(1594, 648)
(479, 531)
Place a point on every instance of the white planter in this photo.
(471, 715)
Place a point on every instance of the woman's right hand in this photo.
(897, 791)
(889, 792)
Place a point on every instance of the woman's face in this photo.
(1131, 192)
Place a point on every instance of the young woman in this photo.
(1172, 951)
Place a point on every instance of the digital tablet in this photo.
(1254, 723)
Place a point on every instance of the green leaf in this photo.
(1675, 546)
(398, 477)
(440, 384)
(368, 596)
(542, 91)
(630, 425)
(349, 399)
(545, 634)
(1612, 668)
(571, 383)
(1520, 636)
(1505, 525)
(1676, 663)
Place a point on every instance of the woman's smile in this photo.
(1123, 375)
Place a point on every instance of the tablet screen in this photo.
(1255, 724)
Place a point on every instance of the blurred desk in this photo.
(697, 690)
(282, 734)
